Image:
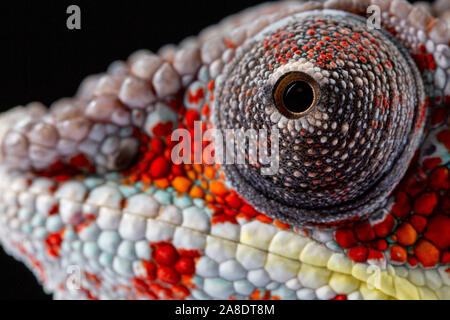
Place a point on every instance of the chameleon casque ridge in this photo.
(358, 209)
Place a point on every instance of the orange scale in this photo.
(263, 218)
(209, 198)
(243, 216)
(220, 200)
(197, 168)
(406, 234)
(181, 184)
(427, 254)
(191, 175)
(197, 192)
(180, 292)
(210, 173)
(218, 188)
(134, 178)
(205, 185)
(162, 183)
(146, 178)
(398, 253)
(281, 225)
(186, 280)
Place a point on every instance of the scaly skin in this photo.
(89, 189)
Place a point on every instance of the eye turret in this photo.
(348, 104)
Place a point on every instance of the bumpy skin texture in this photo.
(89, 191)
(336, 161)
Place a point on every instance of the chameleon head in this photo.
(338, 109)
(348, 104)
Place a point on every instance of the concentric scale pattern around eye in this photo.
(94, 202)
(360, 132)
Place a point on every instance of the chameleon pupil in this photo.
(298, 97)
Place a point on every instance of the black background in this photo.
(41, 60)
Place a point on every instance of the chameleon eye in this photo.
(348, 106)
(295, 94)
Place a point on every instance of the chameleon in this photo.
(95, 203)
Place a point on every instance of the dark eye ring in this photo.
(295, 94)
